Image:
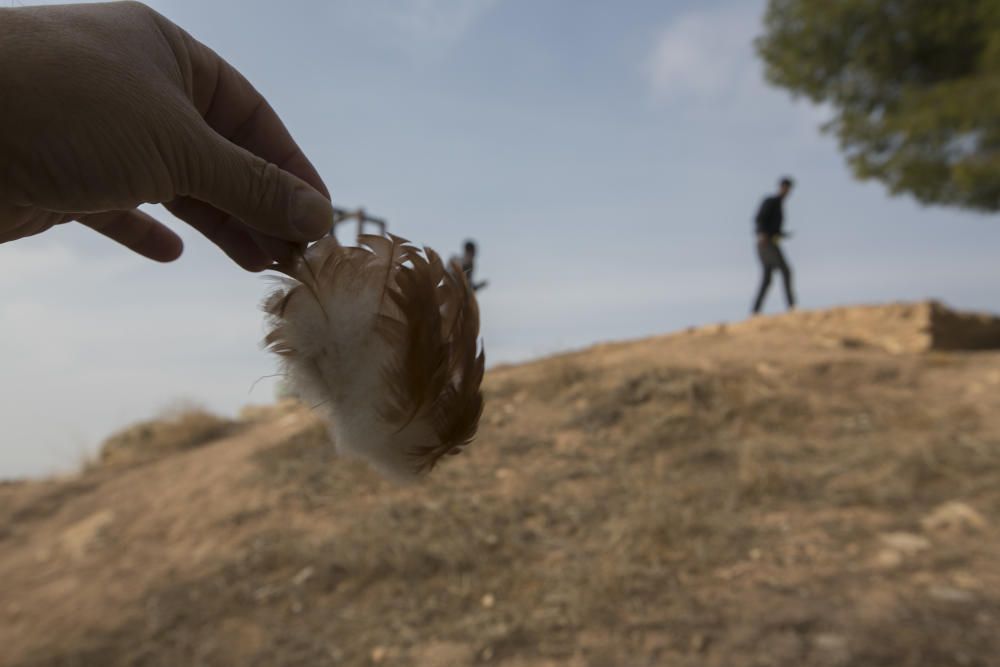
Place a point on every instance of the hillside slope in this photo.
(802, 490)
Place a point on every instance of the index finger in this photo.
(235, 109)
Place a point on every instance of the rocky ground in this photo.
(816, 489)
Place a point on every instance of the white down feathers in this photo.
(383, 341)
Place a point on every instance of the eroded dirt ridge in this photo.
(814, 489)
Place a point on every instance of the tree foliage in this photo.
(914, 86)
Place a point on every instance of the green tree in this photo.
(914, 86)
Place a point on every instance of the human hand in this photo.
(104, 107)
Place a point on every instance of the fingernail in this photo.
(312, 213)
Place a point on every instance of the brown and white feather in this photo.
(383, 339)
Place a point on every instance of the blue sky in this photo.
(607, 157)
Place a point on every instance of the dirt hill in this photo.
(816, 489)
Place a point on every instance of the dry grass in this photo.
(633, 507)
(178, 429)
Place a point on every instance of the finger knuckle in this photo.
(266, 191)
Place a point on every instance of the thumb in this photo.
(258, 192)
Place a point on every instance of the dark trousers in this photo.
(771, 258)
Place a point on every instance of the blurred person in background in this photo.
(769, 222)
(467, 262)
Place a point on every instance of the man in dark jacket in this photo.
(769, 221)
(467, 262)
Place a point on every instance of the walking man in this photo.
(769, 221)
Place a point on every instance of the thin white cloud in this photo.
(705, 53)
(436, 21)
(42, 260)
(704, 60)
(23, 262)
(423, 29)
